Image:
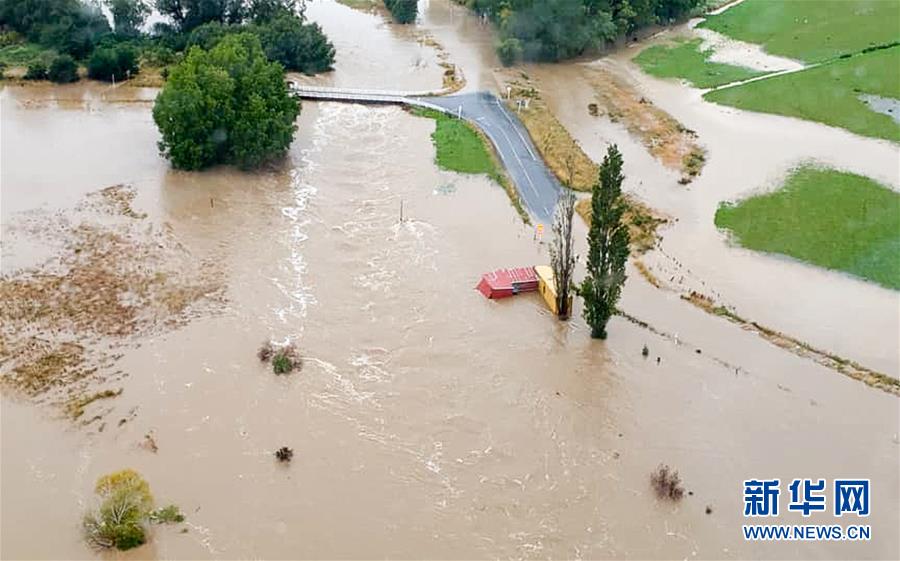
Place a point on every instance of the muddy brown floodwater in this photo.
(427, 422)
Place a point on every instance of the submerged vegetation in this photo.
(667, 483)
(403, 11)
(829, 218)
(285, 359)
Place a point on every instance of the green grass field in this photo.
(23, 54)
(811, 30)
(460, 148)
(825, 217)
(684, 60)
(827, 94)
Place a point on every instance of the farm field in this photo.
(810, 30)
(829, 94)
(685, 60)
(825, 217)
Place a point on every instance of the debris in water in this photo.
(667, 483)
(284, 454)
(708, 509)
(645, 352)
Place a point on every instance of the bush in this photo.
(403, 11)
(228, 105)
(112, 63)
(509, 50)
(36, 71)
(63, 70)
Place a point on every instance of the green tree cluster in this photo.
(607, 246)
(280, 25)
(403, 11)
(228, 105)
(69, 26)
(552, 30)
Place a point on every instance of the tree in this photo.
(126, 503)
(607, 246)
(562, 250)
(117, 62)
(298, 46)
(63, 70)
(509, 50)
(128, 15)
(403, 11)
(227, 105)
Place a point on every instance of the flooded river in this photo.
(427, 421)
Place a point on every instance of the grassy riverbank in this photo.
(810, 30)
(828, 94)
(684, 59)
(461, 148)
(825, 217)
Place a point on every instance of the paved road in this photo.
(535, 183)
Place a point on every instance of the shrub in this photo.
(36, 71)
(167, 515)
(228, 105)
(63, 70)
(112, 63)
(286, 360)
(403, 11)
(666, 483)
(509, 50)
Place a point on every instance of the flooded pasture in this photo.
(427, 421)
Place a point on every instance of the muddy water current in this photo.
(427, 422)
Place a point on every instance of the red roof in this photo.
(507, 282)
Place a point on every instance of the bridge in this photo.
(535, 183)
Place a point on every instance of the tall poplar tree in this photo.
(607, 246)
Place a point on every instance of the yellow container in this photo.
(547, 288)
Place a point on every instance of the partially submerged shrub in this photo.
(118, 62)
(667, 483)
(284, 359)
(63, 69)
(284, 454)
(125, 508)
(265, 352)
(167, 515)
(36, 71)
